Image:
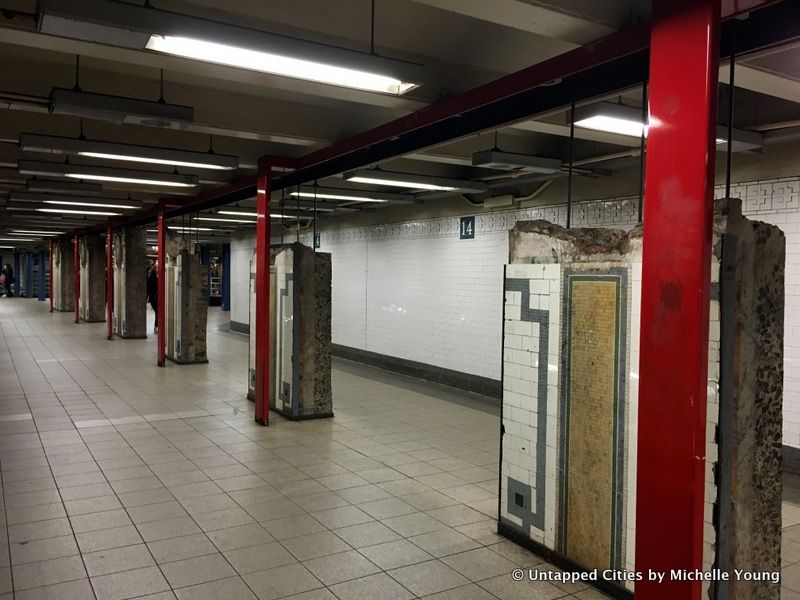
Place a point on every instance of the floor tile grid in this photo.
(71, 531)
(363, 455)
(384, 425)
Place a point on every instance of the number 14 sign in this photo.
(467, 230)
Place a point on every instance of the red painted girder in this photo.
(684, 60)
(262, 359)
(76, 275)
(162, 286)
(109, 284)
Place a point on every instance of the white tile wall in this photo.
(414, 290)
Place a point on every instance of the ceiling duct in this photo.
(519, 163)
(120, 110)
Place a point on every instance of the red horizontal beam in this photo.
(614, 46)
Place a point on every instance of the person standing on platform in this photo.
(152, 291)
(8, 279)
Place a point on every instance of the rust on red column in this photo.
(673, 368)
(50, 274)
(109, 284)
(263, 192)
(161, 271)
(77, 276)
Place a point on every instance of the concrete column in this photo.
(92, 300)
(572, 407)
(63, 291)
(186, 304)
(28, 275)
(130, 280)
(17, 274)
(300, 347)
(226, 276)
(42, 275)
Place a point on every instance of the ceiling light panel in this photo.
(120, 110)
(30, 167)
(161, 31)
(63, 187)
(511, 161)
(126, 152)
(61, 200)
(415, 182)
(612, 118)
(352, 195)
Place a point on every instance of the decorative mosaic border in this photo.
(758, 197)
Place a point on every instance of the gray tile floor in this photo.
(121, 480)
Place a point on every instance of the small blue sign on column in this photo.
(317, 241)
(467, 230)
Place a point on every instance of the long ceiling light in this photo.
(31, 167)
(512, 161)
(94, 202)
(138, 27)
(5, 239)
(324, 196)
(225, 220)
(627, 120)
(415, 182)
(63, 187)
(62, 211)
(269, 62)
(126, 152)
(34, 232)
(237, 213)
(612, 118)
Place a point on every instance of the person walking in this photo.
(8, 279)
(152, 291)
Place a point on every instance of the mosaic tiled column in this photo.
(300, 338)
(186, 306)
(63, 275)
(570, 390)
(130, 282)
(92, 300)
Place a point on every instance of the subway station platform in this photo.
(122, 480)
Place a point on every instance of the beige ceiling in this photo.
(461, 43)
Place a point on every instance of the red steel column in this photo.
(161, 274)
(76, 259)
(673, 367)
(109, 284)
(50, 274)
(262, 290)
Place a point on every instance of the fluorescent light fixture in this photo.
(181, 228)
(743, 139)
(49, 144)
(416, 182)
(119, 109)
(97, 202)
(62, 187)
(225, 220)
(5, 239)
(31, 167)
(29, 232)
(511, 161)
(324, 196)
(78, 212)
(612, 118)
(237, 213)
(138, 27)
(269, 62)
